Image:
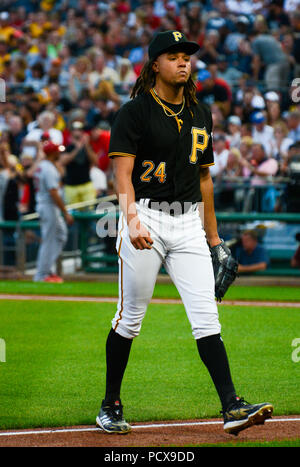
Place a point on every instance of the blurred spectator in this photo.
(238, 34)
(9, 191)
(37, 78)
(27, 199)
(101, 72)
(59, 100)
(79, 77)
(45, 124)
(277, 18)
(293, 123)
(126, 76)
(211, 48)
(221, 156)
(281, 142)
(228, 73)
(261, 132)
(261, 166)
(234, 130)
(270, 60)
(246, 154)
(273, 108)
(99, 141)
(16, 134)
(233, 167)
(99, 181)
(251, 256)
(77, 160)
(211, 92)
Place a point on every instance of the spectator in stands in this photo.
(9, 191)
(246, 154)
(99, 141)
(269, 59)
(227, 72)
(234, 130)
(221, 156)
(262, 133)
(251, 256)
(27, 198)
(36, 78)
(281, 142)
(233, 167)
(16, 134)
(77, 160)
(293, 123)
(101, 72)
(45, 124)
(79, 77)
(261, 167)
(273, 108)
(211, 92)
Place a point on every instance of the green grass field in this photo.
(54, 373)
(110, 289)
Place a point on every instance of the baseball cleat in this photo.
(110, 418)
(53, 278)
(241, 415)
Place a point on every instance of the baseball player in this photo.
(50, 206)
(161, 145)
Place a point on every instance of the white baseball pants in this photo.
(180, 244)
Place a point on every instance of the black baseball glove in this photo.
(225, 269)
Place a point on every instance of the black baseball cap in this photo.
(164, 41)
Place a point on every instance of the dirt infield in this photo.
(67, 298)
(179, 433)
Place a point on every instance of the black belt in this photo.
(174, 208)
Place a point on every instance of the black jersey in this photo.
(169, 151)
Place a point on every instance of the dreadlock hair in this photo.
(147, 78)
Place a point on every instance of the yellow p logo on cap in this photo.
(177, 35)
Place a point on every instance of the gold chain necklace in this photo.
(165, 108)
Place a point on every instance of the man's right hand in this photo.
(139, 236)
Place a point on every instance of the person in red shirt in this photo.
(99, 141)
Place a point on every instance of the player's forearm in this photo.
(58, 201)
(124, 187)
(210, 221)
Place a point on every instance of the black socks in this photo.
(211, 350)
(213, 354)
(117, 354)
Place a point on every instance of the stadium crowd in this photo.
(68, 65)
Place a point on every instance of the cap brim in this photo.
(189, 48)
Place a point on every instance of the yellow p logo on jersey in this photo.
(177, 35)
(200, 140)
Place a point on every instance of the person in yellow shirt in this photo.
(6, 30)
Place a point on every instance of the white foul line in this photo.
(136, 427)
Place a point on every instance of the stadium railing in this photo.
(95, 235)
